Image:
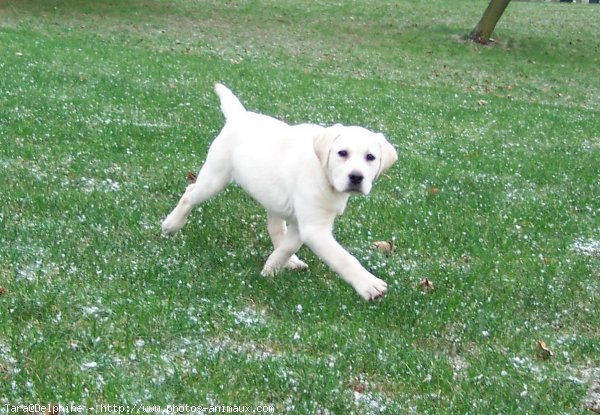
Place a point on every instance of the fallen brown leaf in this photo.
(547, 352)
(3, 290)
(385, 246)
(359, 386)
(191, 177)
(426, 285)
(433, 190)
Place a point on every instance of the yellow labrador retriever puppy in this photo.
(302, 175)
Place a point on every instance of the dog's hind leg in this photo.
(277, 231)
(214, 175)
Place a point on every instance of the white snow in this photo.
(588, 247)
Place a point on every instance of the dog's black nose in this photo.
(356, 178)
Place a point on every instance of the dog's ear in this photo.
(388, 154)
(322, 143)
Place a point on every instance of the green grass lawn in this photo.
(495, 198)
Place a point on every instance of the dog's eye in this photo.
(343, 153)
(370, 157)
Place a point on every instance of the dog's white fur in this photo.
(302, 175)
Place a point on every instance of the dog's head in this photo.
(353, 157)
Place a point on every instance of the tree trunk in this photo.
(485, 27)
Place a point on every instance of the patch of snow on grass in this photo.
(90, 310)
(89, 365)
(527, 365)
(249, 317)
(89, 185)
(7, 360)
(591, 377)
(592, 400)
(588, 247)
(370, 402)
(459, 367)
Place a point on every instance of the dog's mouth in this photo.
(363, 188)
(354, 189)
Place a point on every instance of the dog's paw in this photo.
(295, 263)
(371, 288)
(172, 224)
(268, 271)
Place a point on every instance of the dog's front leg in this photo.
(321, 241)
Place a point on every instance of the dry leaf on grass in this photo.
(433, 190)
(191, 177)
(359, 386)
(547, 352)
(3, 290)
(385, 246)
(426, 285)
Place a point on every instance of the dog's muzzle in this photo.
(355, 180)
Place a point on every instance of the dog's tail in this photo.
(230, 105)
